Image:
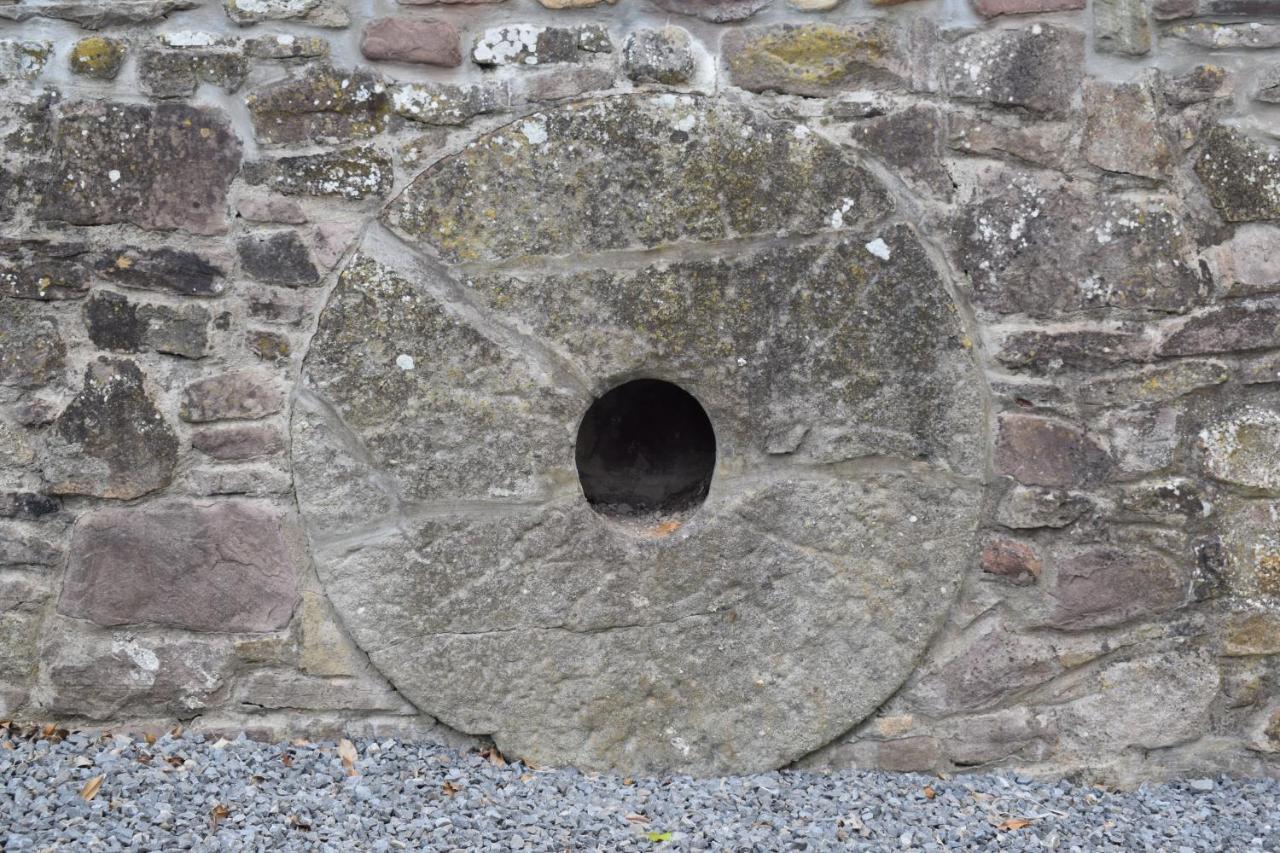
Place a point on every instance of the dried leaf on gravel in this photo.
(218, 814)
(1014, 823)
(495, 758)
(451, 789)
(90, 789)
(637, 818)
(929, 793)
(347, 752)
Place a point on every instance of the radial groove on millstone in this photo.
(802, 592)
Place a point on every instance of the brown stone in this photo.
(1227, 328)
(324, 105)
(32, 352)
(1122, 131)
(1036, 67)
(158, 167)
(1011, 560)
(410, 40)
(231, 396)
(238, 443)
(1108, 586)
(1251, 634)
(1038, 451)
(224, 566)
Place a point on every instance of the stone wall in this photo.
(301, 302)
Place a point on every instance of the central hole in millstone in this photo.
(646, 452)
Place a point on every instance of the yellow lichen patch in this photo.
(1267, 573)
(816, 54)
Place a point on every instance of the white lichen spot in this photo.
(190, 38)
(535, 130)
(404, 361)
(685, 124)
(837, 215)
(879, 248)
(113, 175)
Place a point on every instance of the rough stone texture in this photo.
(232, 396)
(161, 167)
(324, 105)
(671, 696)
(819, 59)
(659, 56)
(278, 257)
(350, 174)
(985, 313)
(98, 56)
(32, 352)
(716, 11)
(1123, 26)
(226, 566)
(111, 441)
(1037, 67)
(1242, 176)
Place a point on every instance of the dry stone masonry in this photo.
(663, 385)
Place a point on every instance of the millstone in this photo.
(750, 263)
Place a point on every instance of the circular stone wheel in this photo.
(750, 263)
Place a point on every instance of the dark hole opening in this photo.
(644, 448)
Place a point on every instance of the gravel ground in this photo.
(86, 791)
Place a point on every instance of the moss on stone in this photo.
(97, 56)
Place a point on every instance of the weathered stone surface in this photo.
(992, 8)
(1040, 451)
(1200, 84)
(384, 440)
(1235, 327)
(223, 566)
(37, 269)
(1242, 176)
(659, 56)
(182, 331)
(95, 15)
(1051, 351)
(351, 174)
(1122, 26)
(113, 322)
(1248, 634)
(252, 481)
(410, 40)
(1122, 130)
(273, 689)
(324, 649)
(1051, 251)
(271, 209)
(1036, 67)
(562, 83)
(21, 548)
(528, 44)
(287, 46)
(1229, 36)
(231, 396)
(166, 270)
(112, 674)
(317, 13)
(32, 352)
(1251, 549)
(268, 346)
(994, 665)
(160, 168)
(324, 105)
(98, 57)
(23, 60)
(27, 505)
(1155, 701)
(819, 59)
(1249, 263)
(277, 257)
(1154, 384)
(111, 440)
(238, 443)
(1040, 144)
(911, 142)
(1108, 586)
(704, 184)
(1241, 449)
(716, 11)
(1011, 560)
(446, 104)
(1025, 508)
(1172, 502)
(1268, 90)
(166, 72)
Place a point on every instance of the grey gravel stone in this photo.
(202, 792)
